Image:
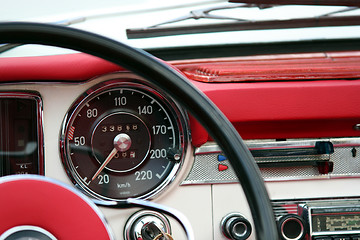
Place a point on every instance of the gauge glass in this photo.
(123, 139)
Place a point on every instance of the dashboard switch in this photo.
(222, 167)
(234, 226)
(221, 158)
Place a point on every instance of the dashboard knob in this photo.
(291, 227)
(236, 227)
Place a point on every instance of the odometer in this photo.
(123, 139)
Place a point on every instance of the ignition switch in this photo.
(147, 225)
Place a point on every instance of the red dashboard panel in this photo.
(283, 96)
(273, 96)
(289, 110)
(289, 67)
(70, 67)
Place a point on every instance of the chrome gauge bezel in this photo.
(179, 115)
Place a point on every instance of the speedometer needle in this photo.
(122, 143)
(107, 160)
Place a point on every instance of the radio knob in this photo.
(235, 227)
(291, 227)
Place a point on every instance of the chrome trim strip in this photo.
(346, 233)
(265, 145)
(208, 148)
(346, 142)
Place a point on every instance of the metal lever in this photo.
(320, 147)
(317, 155)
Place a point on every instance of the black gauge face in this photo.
(123, 140)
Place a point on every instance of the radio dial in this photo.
(291, 227)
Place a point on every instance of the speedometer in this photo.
(123, 139)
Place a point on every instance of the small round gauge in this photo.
(123, 139)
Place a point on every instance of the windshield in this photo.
(118, 19)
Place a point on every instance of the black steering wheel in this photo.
(172, 82)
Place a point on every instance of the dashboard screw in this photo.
(177, 157)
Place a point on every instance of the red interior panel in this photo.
(69, 67)
(287, 109)
(297, 67)
(272, 96)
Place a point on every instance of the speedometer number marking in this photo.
(159, 129)
(143, 175)
(158, 153)
(92, 113)
(120, 101)
(103, 179)
(147, 110)
(79, 141)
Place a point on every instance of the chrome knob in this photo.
(234, 226)
(291, 227)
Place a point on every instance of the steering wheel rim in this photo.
(172, 82)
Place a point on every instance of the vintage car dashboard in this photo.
(73, 117)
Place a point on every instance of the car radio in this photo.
(318, 219)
